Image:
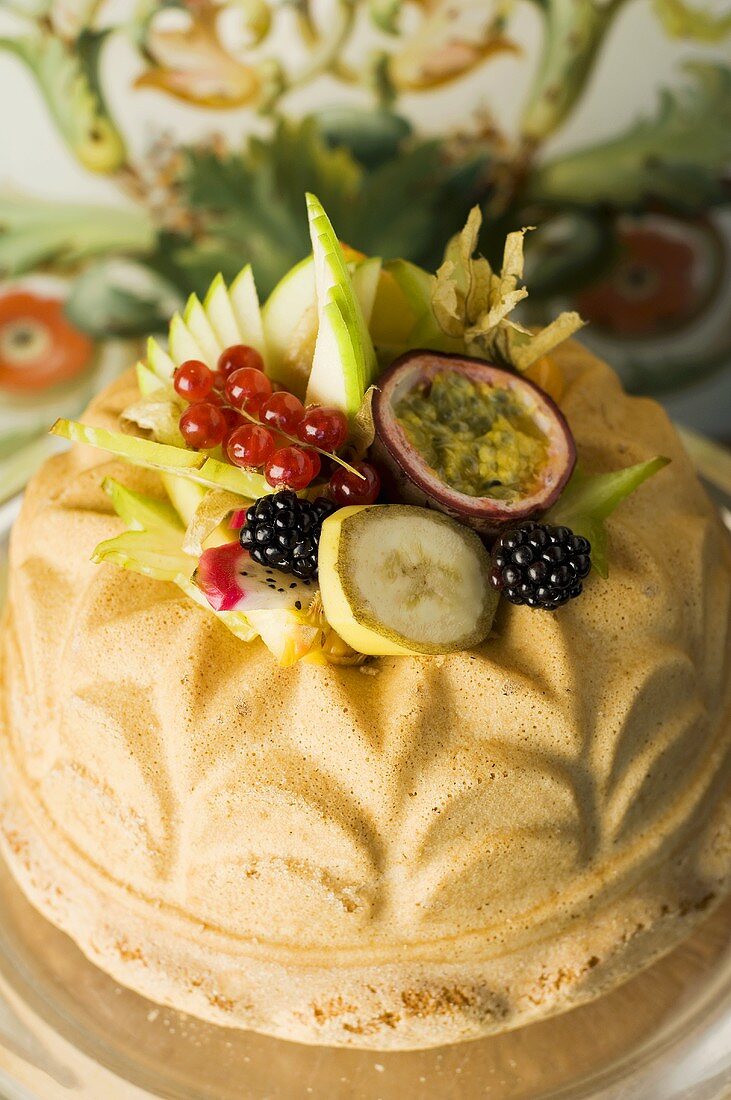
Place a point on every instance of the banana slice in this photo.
(401, 580)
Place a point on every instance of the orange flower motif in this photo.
(652, 286)
(455, 37)
(38, 346)
(190, 61)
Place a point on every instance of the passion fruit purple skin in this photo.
(407, 476)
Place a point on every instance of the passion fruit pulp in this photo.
(475, 441)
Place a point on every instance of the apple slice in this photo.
(344, 363)
(219, 311)
(201, 330)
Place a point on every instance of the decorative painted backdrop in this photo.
(146, 146)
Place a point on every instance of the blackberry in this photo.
(283, 532)
(540, 565)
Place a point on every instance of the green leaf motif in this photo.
(588, 500)
(689, 21)
(34, 232)
(573, 34)
(123, 297)
(68, 78)
(250, 205)
(385, 14)
(371, 136)
(679, 157)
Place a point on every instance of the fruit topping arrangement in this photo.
(366, 465)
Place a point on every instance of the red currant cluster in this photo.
(236, 407)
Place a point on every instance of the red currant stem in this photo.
(305, 446)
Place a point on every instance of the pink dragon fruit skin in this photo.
(231, 581)
(238, 519)
(218, 575)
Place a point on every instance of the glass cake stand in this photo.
(68, 1031)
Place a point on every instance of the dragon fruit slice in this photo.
(275, 604)
(231, 581)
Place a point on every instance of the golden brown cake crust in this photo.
(422, 851)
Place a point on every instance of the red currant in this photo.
(193, 380)
(250, 445)
(323, 427)
(283, 411)
(315, 464)
(234, 419)
(289, 466)
(203, 426)
(347, 488)
(237, 357)
(245, 385)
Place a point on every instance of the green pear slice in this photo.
(183, 345)
(222, 475)
(166, 458)
(282, 313)
(344, 362)
(141, 452)
(364, 277)
(185, 495)
(148, 552)
(147, 381)
(245, 305)
(219, 311)
(141, 512)
(201, 330)
(159, 361)
(415, 282)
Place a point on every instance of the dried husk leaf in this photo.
(446, 305)
(158, 419)
(212, 511)
(513, 261)
(473, 303)
(363, 427)
(543, 342)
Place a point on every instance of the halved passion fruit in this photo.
(475, 441)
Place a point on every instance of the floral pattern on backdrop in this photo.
(633, 230)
